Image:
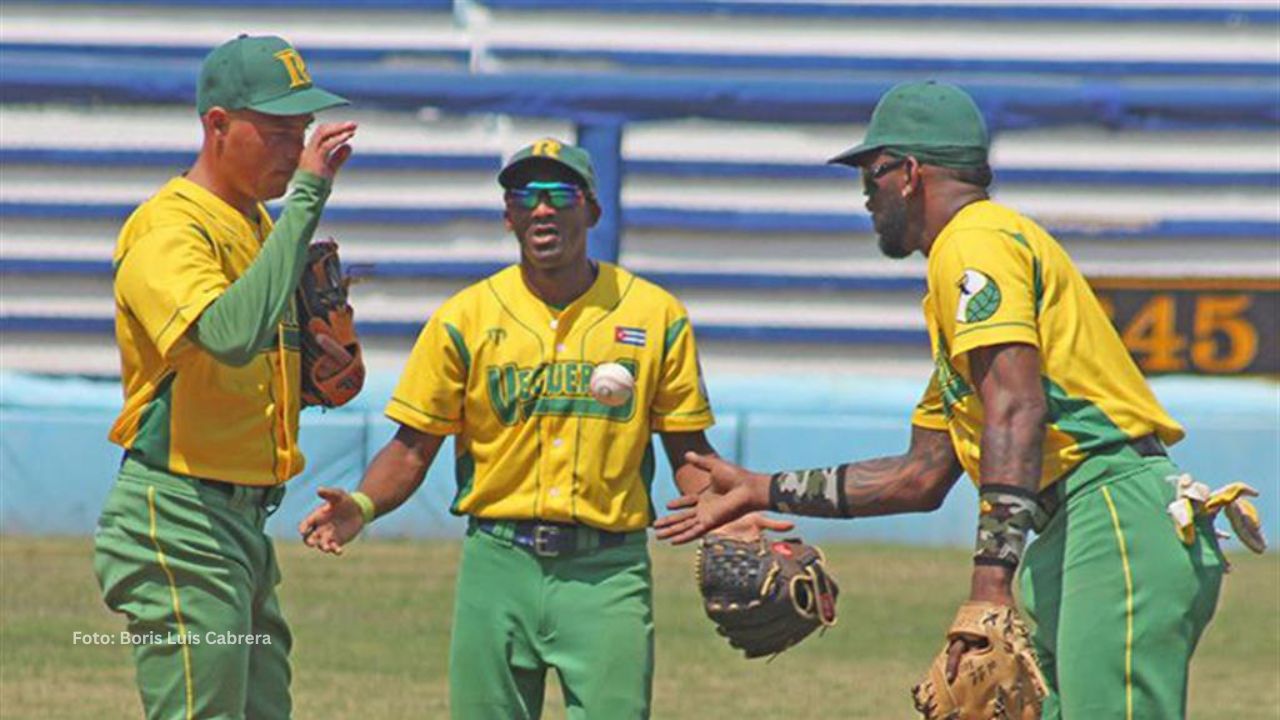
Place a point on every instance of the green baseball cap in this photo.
(936, 122)
(264, 74)
(548, 150)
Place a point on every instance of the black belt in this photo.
(552, 539)
(1052, 497)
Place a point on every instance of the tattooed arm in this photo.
(1007, 378)
(1014, 414)
(916, 481)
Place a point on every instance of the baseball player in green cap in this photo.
(554, 476)
(204, 286)
(1035, 397)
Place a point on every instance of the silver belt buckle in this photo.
(543, 535)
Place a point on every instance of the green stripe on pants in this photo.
(589, 615)
(192, 571)
(1118, 603)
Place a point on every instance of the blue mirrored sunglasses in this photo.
(558, 195)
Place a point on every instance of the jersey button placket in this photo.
(554, 428)
(552, 466)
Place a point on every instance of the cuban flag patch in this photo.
(629, 335)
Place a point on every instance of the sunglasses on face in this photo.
(871, 175)
(558, 195)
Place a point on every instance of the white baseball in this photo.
(611, 384)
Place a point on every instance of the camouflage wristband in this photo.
(817, 493)
(1005, 514)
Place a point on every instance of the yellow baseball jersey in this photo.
(509, 376)
(184, 411)
(996, 277)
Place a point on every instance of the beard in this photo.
(891, 230)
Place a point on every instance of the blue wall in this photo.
(56, 465)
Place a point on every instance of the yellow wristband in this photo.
(367, 510)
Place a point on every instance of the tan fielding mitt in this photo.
(996, 681)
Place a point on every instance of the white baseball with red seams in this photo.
(612, 384)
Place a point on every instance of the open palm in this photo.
(733, 493)
(331, 526)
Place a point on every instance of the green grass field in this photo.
(372, 631)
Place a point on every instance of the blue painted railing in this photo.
(695, 60)
(817, 170)
(1206, 12)
(600, 104)
(1223, 13)
(610, 98)
(665, 218)
(317, 5)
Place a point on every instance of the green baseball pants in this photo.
(189, 567)
(1117, 602)
(587, 614)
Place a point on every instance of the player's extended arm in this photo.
(915, 481)
(394, 475)
(692, 479)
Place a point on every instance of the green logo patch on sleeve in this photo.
(979, 297)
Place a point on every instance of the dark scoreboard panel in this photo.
(1207, 326)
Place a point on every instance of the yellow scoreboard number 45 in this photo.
(1195, 327)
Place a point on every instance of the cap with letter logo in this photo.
(548, 150)
(265, 74)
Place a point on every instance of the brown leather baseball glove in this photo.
(765, 596)
(999, 680)
(332, 365)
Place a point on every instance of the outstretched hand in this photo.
(733, 493)
(331, 526)
(327, 149)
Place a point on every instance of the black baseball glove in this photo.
(765, 596)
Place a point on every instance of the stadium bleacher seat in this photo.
(1145, 136)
